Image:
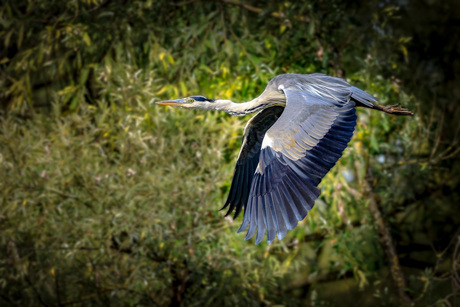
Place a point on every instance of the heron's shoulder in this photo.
(312, 85)
(300, 81)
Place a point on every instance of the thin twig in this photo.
(61, 193)
(438, 139)
(455, 275)
(183, 3)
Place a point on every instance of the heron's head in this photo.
(192, 102)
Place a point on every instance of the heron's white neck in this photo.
(241, 109)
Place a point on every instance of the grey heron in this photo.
(302, 125)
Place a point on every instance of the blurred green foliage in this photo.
(108, 200)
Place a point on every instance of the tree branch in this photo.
(320, 278)
(279, 15)
(387, 244)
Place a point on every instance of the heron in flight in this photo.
(301, 127)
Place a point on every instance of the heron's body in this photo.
(302, 125)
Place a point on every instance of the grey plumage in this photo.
(303, 124)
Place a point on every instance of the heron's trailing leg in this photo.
(394, 109)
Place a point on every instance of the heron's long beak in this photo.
(174, 102)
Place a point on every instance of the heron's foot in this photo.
(396, 110)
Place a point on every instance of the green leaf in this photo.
(86, 39)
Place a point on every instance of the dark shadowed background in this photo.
(107, 199)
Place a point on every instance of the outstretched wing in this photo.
(296, 153)
(248, 158)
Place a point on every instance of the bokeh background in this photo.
(106, 199)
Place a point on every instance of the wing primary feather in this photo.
(260, 226)
(245, 192)
(247, 215)
(305, 195)
(295, 167)
(327, 158)
(317, 162)
(265, 180)
(234, 194)
(277, 215)
(341, 134)
(290, 202)
(309, 168)
(312, 165)
(286, 210)
(257, 184)
(282, 231)
(270, 224)
(297, 199)
(276, 219)
(338, 139)
(228, 201)
(239, 192)
(253, 222)
(330, 146)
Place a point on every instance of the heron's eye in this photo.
(189, 100)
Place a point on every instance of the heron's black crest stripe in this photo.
(201, 98)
